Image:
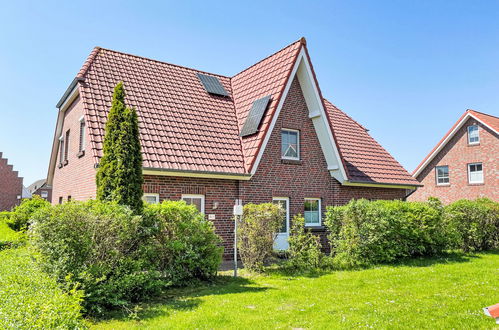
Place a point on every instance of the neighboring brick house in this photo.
(11, 185)
(296, 148)
(42, 189)
(465, 163)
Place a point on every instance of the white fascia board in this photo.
(442, 145)
(316, 113)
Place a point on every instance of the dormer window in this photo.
(473, 134)
(290, 144)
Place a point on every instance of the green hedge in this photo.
(30, 299)
(364, 232)
(117, 257)
(8, 237)
(21, 215)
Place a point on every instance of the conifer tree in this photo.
(119, 177)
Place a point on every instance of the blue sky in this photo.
(404, 69)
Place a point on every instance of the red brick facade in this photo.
(457, 154)
(76, 177)
(11, 185)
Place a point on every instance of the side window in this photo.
(66, 147)
(475, 173)
(196, 200)
(61, 149)
(312, 212)
(442, 174)
(81, 146)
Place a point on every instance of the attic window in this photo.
(255, 116)
(473, 135)
(212, 85)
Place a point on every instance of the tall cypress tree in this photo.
(119, 177)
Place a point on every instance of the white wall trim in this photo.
(316, 112)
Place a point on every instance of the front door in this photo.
(281, 240)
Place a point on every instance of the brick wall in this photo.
(44, 189)
(11, 185)
(457, 154)
(77, 177)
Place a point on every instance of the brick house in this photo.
(11, 185)
(465, 163)
(262, 135)
(41, 188)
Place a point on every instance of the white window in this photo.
(290, 144)
(312, 212)
(82, 135)
(442, 173)
(473, 135)
(151, 198)
(196, 200)
(61, 150)
(44, 194)
(475, 173)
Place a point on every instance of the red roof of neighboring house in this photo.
(185, 128)
(365, 159)
(488, 120)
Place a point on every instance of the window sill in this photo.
(315, 228)
(443, 185)
(80, 154)
(476, 184)
(473, 144)
(291, 161)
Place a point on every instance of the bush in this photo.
(30, 299)
(256, 233)
(98, 245)
(304, 247)
(184, 245)
(363, 232)
(474, 225)
(21, 214)
(10, 238)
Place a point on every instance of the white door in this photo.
(281, 240)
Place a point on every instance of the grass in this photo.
(432, 293)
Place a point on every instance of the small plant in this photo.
(304, 247)
(21, 215)
(256, 233)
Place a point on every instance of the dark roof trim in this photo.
(68, 91)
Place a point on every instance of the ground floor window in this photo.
(475, 173)
(284, 203)
(44, 194)
(151, 198)
(312, 212)
(196, 200)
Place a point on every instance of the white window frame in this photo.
(469, 173)
(477, 132)
(436, 175)
(297, 144)
(83, 132)
(320, 213)
(44, 192)
(195, 196)
(151, 195)
(61, 148)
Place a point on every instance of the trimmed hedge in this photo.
(30, 299)
(118, 258)
(8, 237)
(364, 232)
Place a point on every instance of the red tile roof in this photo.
(365, 159)
(184, 128)
(488, 120)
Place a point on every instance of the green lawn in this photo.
(426, 293)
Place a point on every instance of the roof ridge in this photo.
(302, 40)
(483, 113)
(162, 62)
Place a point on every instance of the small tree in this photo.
(256, 233)
(119, 177)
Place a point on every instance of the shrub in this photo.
(256, 233)
(10, 238)
(184, 245)
(21, 214)
(98, 245)
(474, 225)
(364, 232)
(304, 247)
(30, 299)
